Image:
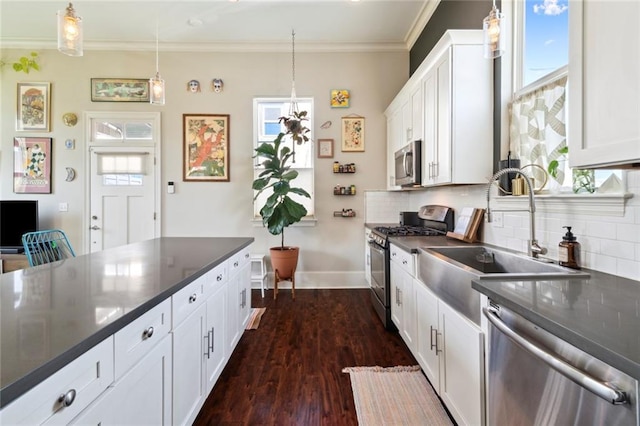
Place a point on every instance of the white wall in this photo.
(610, 242)
(221, 209)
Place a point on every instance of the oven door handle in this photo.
(599, 388)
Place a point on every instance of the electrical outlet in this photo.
(63, 207)
(497, 219)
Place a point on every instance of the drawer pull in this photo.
(219, 277)
(246, 255)
(147, 333)
(404, 262)
(66, 399)
(193, 298)
(235, 264)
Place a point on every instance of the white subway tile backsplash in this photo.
(628, 269)
(628, 232)
(601, 229)
(604, 263)
(619, 249)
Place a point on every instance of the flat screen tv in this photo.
(16, 218)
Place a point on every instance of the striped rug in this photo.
(254, 319)
(395, 396)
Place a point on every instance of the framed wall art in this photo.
(119, 90)
(340, 98)
(205, 147)
(325, 148)
(34, 107)
(32, 165)
(353, 134)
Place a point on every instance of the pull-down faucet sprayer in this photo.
(534, 249)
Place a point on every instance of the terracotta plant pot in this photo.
(284, 263)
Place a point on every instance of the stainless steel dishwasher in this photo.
(535, 378)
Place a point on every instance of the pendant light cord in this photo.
(157, 63)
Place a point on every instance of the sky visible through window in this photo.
(546, 38)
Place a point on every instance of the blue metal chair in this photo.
(46, 246)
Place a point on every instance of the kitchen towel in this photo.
(395, 396)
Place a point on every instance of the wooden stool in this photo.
(279, 278)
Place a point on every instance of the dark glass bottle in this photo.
(569, 250)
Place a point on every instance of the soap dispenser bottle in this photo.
(569, 250)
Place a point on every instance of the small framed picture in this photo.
(32, 165)
(353, 134)
(34, 107)
(119, 90)
(325, 148)
(205, 147)
(339, 98)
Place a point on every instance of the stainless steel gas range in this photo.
(430, 220)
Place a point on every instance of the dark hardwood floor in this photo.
(288, 371)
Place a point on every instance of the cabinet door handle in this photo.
(66, 399)
(193, 298)
(212, 340)
(235, 264)
(433, 345)
(206, 352)
(219, 277)
(437, 349)
(147, 333)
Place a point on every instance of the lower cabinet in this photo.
(141, 396)
(214, 353)
(450, 350)
(403, 305)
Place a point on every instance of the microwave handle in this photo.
(408, 163)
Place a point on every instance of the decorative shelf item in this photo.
(344, 190)
(344, 168)
(345, 213)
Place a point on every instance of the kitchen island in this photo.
(53, 314)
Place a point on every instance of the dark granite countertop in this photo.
(600, 315)
(53, 313)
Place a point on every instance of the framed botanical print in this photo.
(32, 165)
(34, 107)
(205, 147)
(325, 148)
(353, 134)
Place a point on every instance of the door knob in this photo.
(95, 227)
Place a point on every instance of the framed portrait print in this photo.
(32, 165)
(119, 90)
(353, 134)
(325, 148)
(34, 107)
(339, 98)
(205, 147)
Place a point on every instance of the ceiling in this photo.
(249, 25)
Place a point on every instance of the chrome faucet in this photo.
(534, 248)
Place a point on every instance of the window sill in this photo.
(306, 222)
(589, 204)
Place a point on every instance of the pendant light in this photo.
(492, 27)
(156, 83)
(69, 32)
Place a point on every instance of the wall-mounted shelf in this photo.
(344, 168)
(344, 213)
(344, 190)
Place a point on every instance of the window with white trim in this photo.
(538, 111)
(267, 126)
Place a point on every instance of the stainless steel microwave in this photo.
(408, 164)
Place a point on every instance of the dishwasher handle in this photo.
(599, 388)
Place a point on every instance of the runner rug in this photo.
(395, 396)
(254, 319)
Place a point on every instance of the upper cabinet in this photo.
(604, 84)
(448, 104)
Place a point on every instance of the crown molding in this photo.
(421, 21)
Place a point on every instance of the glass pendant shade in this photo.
(69, 32)
(156, 86)
(492, 26)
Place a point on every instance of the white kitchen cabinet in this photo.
(395, 139)
(450, 350)
(604, 87)
(402, 301)
(215, 355)
(78, 384)
(458, 112)
(142, 396)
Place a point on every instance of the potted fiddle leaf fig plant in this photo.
(280, 210)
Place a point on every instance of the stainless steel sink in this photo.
(448, 272)
(490, 263)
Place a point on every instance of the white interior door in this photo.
(123, 179)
